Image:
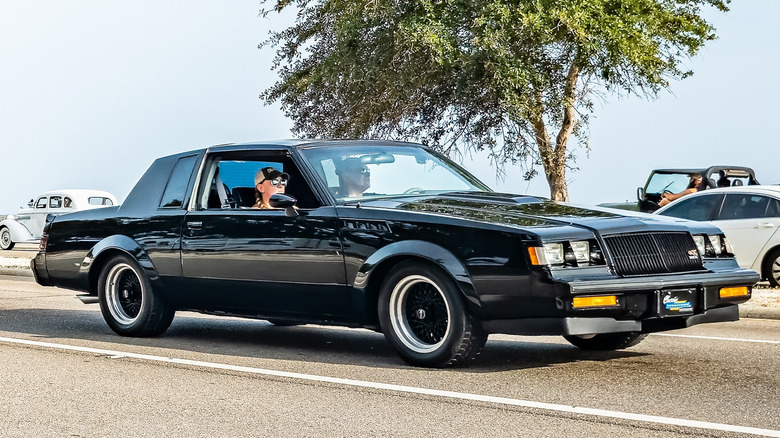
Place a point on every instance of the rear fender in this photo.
(93, 262)
(19, 233)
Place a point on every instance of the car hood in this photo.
(529, 211)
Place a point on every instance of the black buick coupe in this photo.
(388, 236)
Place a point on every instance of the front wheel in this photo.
(129, 304)
(423, 317)
(772, 268)
(606, 341)
(5, 239)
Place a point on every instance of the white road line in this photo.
(760, 341)
(414, 390)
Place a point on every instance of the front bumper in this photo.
(596, 325)
(641, 304)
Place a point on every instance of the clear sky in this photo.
(91, 92)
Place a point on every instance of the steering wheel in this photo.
(413, 191)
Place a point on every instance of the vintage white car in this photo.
(26, 226)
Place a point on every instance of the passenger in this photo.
(354, 178)
(268, 182)
(723, 181)
(694, 185)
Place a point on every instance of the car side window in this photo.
(55, 202)
(698, 208)
(41, 202)
(176, 188)
(68, 203)
(744, 206)
(229, 180)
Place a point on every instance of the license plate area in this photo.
(677, 302)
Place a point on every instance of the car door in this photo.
(264, 262)
(35, 221)
(749, 222)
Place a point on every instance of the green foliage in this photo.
(477, 74)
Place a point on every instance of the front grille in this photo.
(653, 253)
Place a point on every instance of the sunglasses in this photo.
(276, 182)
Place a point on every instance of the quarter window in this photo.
(99, 200)
(177, 184)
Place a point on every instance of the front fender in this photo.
(19, 233)
(92, 264)
(423, 250)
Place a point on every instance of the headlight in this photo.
(727, 246)
(10, 216)
(699, 239)
(553, 253)
(713, 245)
(570, 254)
(581, 251)
(715, 242)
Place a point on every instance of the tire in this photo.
(128, 302)
(423, 317)
(606, 341)
(772, 267)
(5, 239)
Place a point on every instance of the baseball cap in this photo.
(270, 173)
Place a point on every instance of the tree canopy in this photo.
(497, 75)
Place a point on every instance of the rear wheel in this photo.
(423, 317)
(772, 268)
(5, 239)
(129, 304)
(606, 341)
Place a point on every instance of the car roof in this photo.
(766, 190)
(309, 143)
(78, 193)
(736, 170)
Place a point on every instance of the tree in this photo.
(459, 75)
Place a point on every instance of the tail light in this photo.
(44, 242)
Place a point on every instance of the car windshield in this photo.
(673, 182)
(365, 172)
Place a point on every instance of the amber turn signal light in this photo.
(599, 301)
(731, 292)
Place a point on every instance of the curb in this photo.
(758, 312)
(19, 272)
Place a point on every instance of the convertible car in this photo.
(387, 236)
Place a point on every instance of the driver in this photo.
(694, 185)
(354, 177)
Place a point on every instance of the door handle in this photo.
(195, 224)
(765, 225)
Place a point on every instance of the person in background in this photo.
(694, 185)
(268, 182)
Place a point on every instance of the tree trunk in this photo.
(554, 158)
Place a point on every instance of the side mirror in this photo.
(31, 203)
(286, 202)
(640, 194)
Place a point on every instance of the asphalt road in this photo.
(64, 373)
